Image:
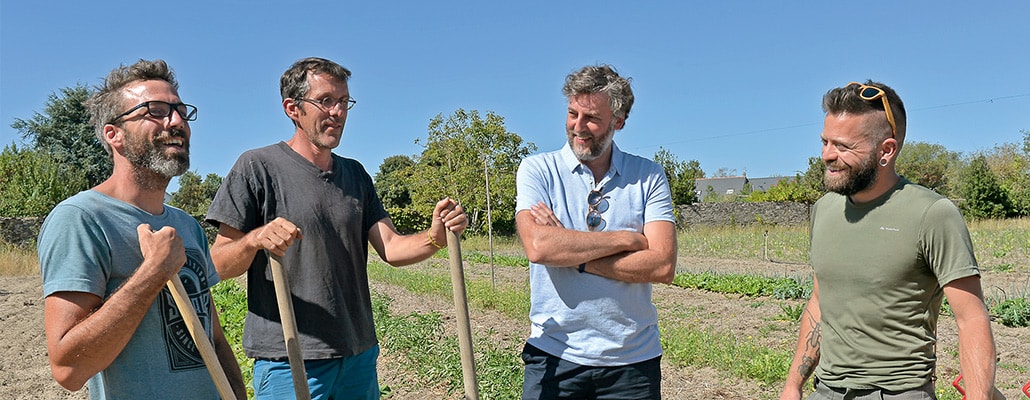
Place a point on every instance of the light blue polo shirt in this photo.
(584, 318)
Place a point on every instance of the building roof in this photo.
(732, 185)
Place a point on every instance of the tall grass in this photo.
(18, 260)
(757, 242)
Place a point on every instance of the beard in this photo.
(598, 147)
(149, 160)
(854, 180)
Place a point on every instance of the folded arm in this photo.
(622, 255)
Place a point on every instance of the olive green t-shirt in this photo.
(880, 267)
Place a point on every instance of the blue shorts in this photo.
(550, 377)
(335, 378)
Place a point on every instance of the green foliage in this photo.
(682, 176)
(455, 160)
(435, 357)
(748, 285)
(32, 182)
(791, 312)
(392, 182)
(806, 188)
(63, 130)
(195, 195)
(687, 345)
(1011, 165)
(231, 302)
(984, 195)
(927, 164)
(1013, 312)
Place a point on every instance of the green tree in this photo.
(984, 195)
(392, 181)
(682, 176)
(32, 182)
(460, 150)
(1011, 166)
(63, 130)
(803, 188)
(927, 164)
(195, 195)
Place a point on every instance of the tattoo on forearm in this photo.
(811, 354)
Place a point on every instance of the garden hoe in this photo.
(289, 322)
(461, 307)
(207, 350)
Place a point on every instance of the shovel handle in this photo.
(199, 335)
(289, 323)
(468, 361)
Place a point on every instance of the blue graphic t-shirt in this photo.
(89, 243)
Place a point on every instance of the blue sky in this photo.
(733, 84)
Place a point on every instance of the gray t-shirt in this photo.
(881, 267)
(89, 243)
(326, 269)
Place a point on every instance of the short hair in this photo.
(106, 103)
(601, 79)
(294, 82)
(846, 100)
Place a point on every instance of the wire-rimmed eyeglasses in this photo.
(162, 109)
(598, 204)
(871, 93)
(327, 103)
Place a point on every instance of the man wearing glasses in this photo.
(107, 253)
(885, 253)
(597, 226)
(317, 212)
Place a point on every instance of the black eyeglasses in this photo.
(871, 93)
(327, 103)
(161, 109)
(598, 204)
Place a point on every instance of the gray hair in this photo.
(294, 82)
(601, 79)
(846, 100)
(106, 103)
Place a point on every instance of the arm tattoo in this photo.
(812, 344)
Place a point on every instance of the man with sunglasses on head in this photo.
(597, 226)
(885, 253)
(317, 212)
(107, 253)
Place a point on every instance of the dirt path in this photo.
(24, 371)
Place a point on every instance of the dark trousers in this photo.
(550, 377)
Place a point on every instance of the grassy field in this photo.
(1001, 246)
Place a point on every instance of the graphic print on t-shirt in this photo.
(182, 350)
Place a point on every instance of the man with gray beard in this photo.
(886, 252)
(107, 253)
(598, 228)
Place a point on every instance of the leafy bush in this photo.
(33, 182)
(748, 285)
(1013, 312)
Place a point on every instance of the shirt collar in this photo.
(572, 163)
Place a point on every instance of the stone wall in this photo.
(743, 213)
(19, 231)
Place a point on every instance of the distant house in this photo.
(709, 189)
